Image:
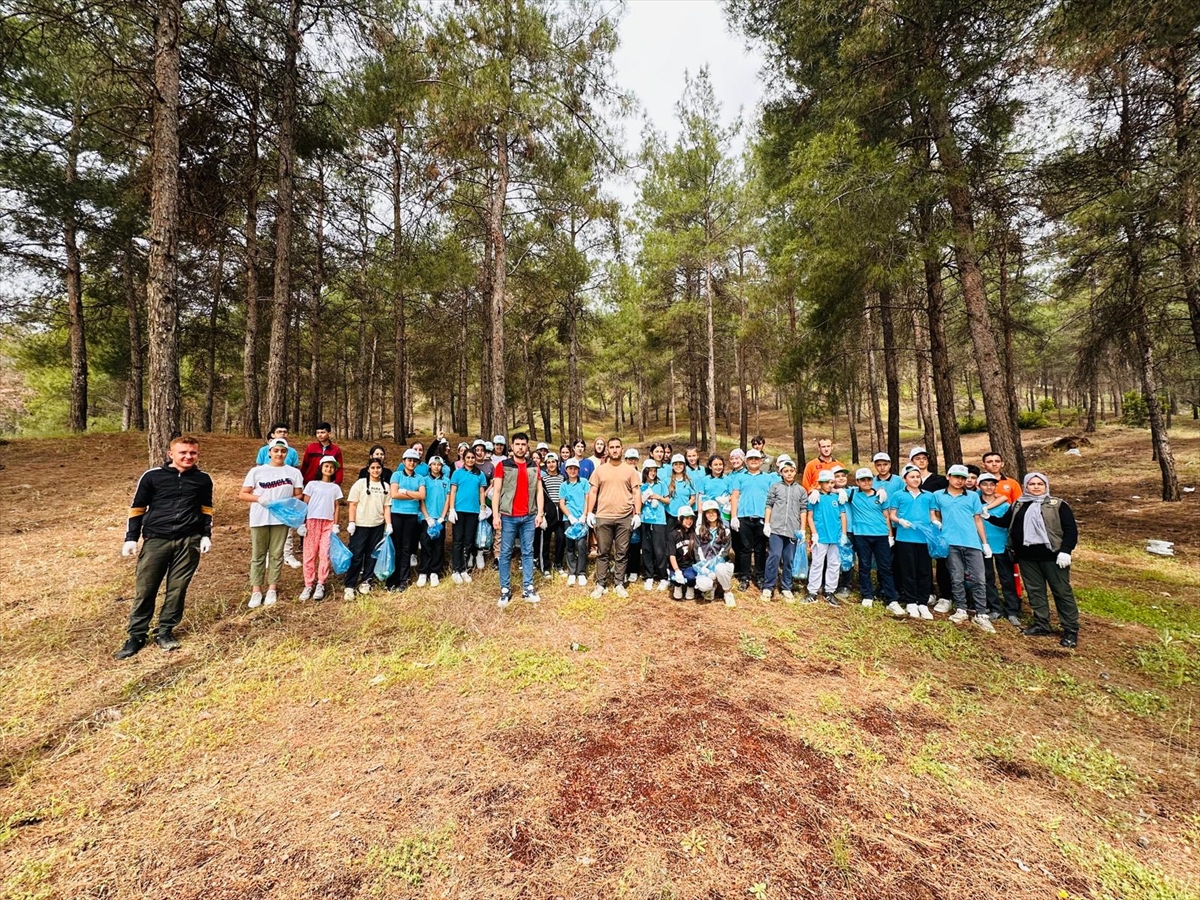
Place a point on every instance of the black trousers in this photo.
(404, 539)
(655, 557)
(433, 552)
(751, 559)
(914, 572)
(1037, 576)
(1005, 601)
(362, 544)
(172, 559)
(462, 551)
(549, 545)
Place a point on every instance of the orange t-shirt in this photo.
(615, 488)
(814, 468)
(1009, 489)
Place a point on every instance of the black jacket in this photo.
(1015, 520)
(171, 504)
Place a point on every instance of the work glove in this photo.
(904, 523)
(986, 513)
(813, 497)
(735, 524)
(337, 529)
(637, 522)
(205, 544)
(302, 530)
(891, 540)
(452, 516)
(1064, 560)
(350, 529)
(939, 525)
(678, 578)
(842, 495)
(387, 529)
(430, 521)
(987, 551)
(129, 548)
(800, 535)
(882, 495)
(591, 520)
(766, 529)
(263, 499)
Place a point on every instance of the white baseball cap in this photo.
(710, 504)
(754, 454)
(542, 445)
(916, 451)
(411, 454)
(325, 459)
(678, 458)
(500, 439)
(988, 476)
(684, 512)
(788, 463)
(864, 473)
(572, 463)
(632, 453)
(825, 475)
(960, 470)
(649, 464)
(881, 457)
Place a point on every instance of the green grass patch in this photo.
(926, 762)
(750, 646)
(524, 668)
(838, 740)
(1138, 608)
(1173, 660)
(412, 860)
(30, 881)
(584, 608)
(1089, 765)
(1140, 703)
(1121, 877)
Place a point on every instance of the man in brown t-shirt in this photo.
(613, 509)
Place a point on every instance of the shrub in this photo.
(972, 425)
(1134, 411)
(1034, 419)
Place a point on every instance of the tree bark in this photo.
(277, 358)
(77, 338)
(161, 300)
(251, 420)
(210, 391)
(314, 313)
(1183, 116)
(1006, 320)
(135, 408)
(891, 371)
(710, 384)
(877, 439)
(943, 374)
(460, 424)
(401, 424)
(924, 401)
(500, 262)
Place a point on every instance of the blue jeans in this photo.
(967, 576)
(781, 549)
(875, 548)
(510, 528)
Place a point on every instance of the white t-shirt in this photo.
(370, 499)
(274, 483)
(322, 499)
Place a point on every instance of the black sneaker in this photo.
(1070, 640)
(832, 600)
(809, 598)
(132, 647)
(505, 598)
(166, 641)
(1038, 631)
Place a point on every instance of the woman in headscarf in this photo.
(1042, 534)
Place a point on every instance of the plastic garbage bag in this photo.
(385, 559)
(434, 531)
(939, 547)
(484, 535)
(291, 511)
(800, 561)
(339, 555)
(576, 531)
(846, 552)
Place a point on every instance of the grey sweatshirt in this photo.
(788, 504)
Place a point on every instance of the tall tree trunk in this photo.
(1002, 428)
(277, 385)
(1183, 115)
(401, 423)
(851, 422)
(210, 391)
(671, 396)
(872, 381)
(314, 312)
(135, 409)
(252, 417)
(500, 262)
(574, 387)
(162, 304)
(460, 424)
(77, 416)
(891, 370)
(924, 400)
(710, 383)
(1006, 320)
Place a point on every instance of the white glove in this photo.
(904, 523)
(939, 525)
(986, 514)
(591, 520)
(129, 548)
(452, 516)
(350, 529)
(637, 521)
(800, 535)
(766, 529)
(813, 496)
(302, 530)
(882, 495)
(429, 521)
(205, 544)
(987, 551)
(336, 528)
(387, 529)
(891, 540)
(263, 499)
(678, 577)
(842, 495)
(1064, 560)
(735, 524)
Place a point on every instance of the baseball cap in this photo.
(909, 468)
(572, 463)
(787, 464)
(649, 464)
(542, 445)
(988, 476)
(551, 456)
(436, 459)
(863, 473)
(881, 457)
(684, 512)
(479, 442)
(710, 504)
(916, 451)
(325, 459)
(411, 454)
(678, 457)
(958, 470)
(632, 453)
(754, 454)
(837, 469)
(500, 439)
(825, 475)
(489, 446)
(279, 442)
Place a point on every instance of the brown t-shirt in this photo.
(615, 487)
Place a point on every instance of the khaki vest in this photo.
(508, 487)
(1051, 515)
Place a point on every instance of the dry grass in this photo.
(427, 744)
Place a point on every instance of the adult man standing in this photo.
(613, 510)
(310, 466)
(172, 512)
(930, 481)
(518, 508)
(1006, 487)
(816, 466)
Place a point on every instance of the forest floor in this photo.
(430, 745)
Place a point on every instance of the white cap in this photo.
(864, 473)
(909, 468)
(436, 459)
(487, 445)
(571, 462)
(542, 445)
(278, 442)
(787, 463)
(478, 441)
(500, 439)
(325, 459)
(684, 512)
(710, 504)
(783, 457)
(551, 456)
(411, 454)
(988, 476)
(632, 453)
(916, 451)
(678, 457)
(754, 454)
(825, 475)
(649, 464)
(881, 457)
(959, 470)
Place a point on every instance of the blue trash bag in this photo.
(635, 536)
(576, 531)
(846, 552)
(385, 559)
(291, 511)
(339, 555)
(939, 547)
(434, 531)
(484, 535)
(800, 560)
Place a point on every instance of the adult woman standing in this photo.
(1042, 535)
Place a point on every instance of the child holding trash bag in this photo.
(913, 565)
(827, 526)
(370, 522)
(322, 497)
(274, 483)
(683, 554)
(432, 538)
(572, 502)
(783, 525)
(713, 545)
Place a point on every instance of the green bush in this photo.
(1046, 405)
(972, 425)
(1034, 419)
(1134, 411)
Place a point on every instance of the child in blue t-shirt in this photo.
(467, 488)
(873, 540)
(572, 501)
(433, 512)
(913, 565)
(654, 527)
(827, 527)
(959, 515)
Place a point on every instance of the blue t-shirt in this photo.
(407, 483)
(436, 492)
(958, 518)
(653, 513)
(264, 457)
(752, 494)
(685, 493)
(574, 496)
(422, 469)
(869, 518)
(893, 484)
(827, 517)
(997, 537)
(468, 483)
(911, 509)
(586, 468)
(698, 476)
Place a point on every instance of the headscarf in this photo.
(1035, 524)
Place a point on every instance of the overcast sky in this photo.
(662, 39)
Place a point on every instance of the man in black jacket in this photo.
(172, 512)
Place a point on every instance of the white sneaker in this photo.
(933, 598)
(365, 587)
(620, 591)
(256, 600)
(942, 606)
(896, 609)
(292, 562)
(530, 596)
(306, 594)
(319, 593)
(730, 600)
(912, 611)
(630, 578)
(433, 580)
(598, 592)
(689, 594)
(505, 599)
(662, 585)
(456, 578)
(271, 598)
(677, 593)
(570, 581)
(649, 585)
(924, 612)
(959, 616)
(413, 561)
(983, 621)
(581, 580)
(766, 597)
(422, 580)
(868, 602)
(479, 560)
(466, 577)
(348, 594)
(789, 597)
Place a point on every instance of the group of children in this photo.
(704, 525)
